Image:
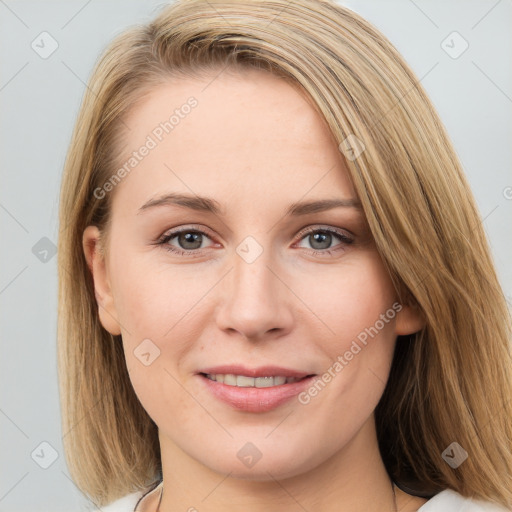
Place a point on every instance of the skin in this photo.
(255, 144)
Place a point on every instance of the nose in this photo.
(255, 301)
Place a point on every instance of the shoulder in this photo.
(136, 501)
(451, 501)
(125, 504)
(445, 501)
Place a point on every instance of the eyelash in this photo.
(165, 239)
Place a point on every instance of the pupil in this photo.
(323, 238)
(190, 238)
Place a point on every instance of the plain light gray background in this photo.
(39, 102)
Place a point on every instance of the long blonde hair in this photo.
(451, 382)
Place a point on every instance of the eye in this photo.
(320, 239)
(187, 241)
(190, 242)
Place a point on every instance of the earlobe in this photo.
(103, 292)
(409, 320)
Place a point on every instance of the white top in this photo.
(445, 501)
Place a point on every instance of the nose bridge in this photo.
(252, 278)
(254, 301)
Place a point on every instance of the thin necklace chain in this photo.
(160, 500)
(392, 487)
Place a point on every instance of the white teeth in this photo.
(229, 379)
(242, 381)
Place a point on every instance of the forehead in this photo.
(246, 134)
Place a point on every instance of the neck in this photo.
(353, 479)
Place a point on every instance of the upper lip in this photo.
(261, 371)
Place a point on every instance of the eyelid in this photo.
(342, 234)
(330, 229)
(173, 232)
(186, 227)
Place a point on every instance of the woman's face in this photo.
(261, 276)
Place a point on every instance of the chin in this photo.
(264, 470)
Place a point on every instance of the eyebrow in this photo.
(206, 204)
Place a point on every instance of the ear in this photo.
(409, 320)
(96, 263)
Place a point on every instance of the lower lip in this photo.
(256, 399)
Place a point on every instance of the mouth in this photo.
(257, 393)
(244, 381)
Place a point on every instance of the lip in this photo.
(262, 371)
(256, 400)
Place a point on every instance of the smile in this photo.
(243, 381)
(254, 394)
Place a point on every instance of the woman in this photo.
(275, 288)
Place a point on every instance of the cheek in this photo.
(155, 310)
(350, 298)
(152, 302)
(158, 308)
(358, 322)
(158, 389)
